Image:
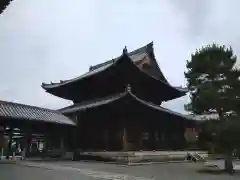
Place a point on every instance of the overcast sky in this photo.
(52, 40)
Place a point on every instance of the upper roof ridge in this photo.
(146, 48)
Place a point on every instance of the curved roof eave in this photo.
(4, 5)
(107, 100)
(92, 103)
(179, 89)
(94, 72)
(32, 113)
(86, 75)
(153, 105)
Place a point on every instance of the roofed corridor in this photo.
(24, 128)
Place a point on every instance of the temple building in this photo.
(117, 105)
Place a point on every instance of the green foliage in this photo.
(228, 134)
(213, 82)
(209, 128)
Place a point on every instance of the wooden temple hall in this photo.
(117, 105)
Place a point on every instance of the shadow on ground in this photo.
(217, 171)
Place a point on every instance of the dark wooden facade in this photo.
(117, 105)
(124, 122)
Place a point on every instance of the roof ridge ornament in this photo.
(125, 51)
(128, 88)
(90, 67)
(150, 46)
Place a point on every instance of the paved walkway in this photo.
(87, 172)
(220, 164)
(179, 171)
(91, 170)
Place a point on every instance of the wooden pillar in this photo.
(62, 146)
(183, 138)
(26, 145)
(9, 152)
(74, 132)
(2, 140)
(140, 141)
(152, 139)
(74, 140)
(141, 136)
(29, 142)
(106, 139)
(164, 137)
(125, 139)
(45, 145)
(156, 139)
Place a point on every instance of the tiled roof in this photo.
(91, 104)
(135, 55)
(103, 101)
(184, 89)
(203, 117)
(3, 5)
(158, 107)
(26, 112)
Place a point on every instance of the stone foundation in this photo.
(141, 156)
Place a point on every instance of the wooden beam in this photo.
(125, 139)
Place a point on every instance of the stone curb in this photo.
(216, 171)
(33, 166)
(149, 163)
(7, 162)
(137, 163)
(113, 163)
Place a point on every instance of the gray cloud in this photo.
(207, 22)
(43, 41)
(196, 13)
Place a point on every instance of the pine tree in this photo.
(214, 84)
(213, 81)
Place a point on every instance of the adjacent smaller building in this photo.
(23, 124)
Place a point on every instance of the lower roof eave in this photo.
(110, 99)
(23, 121)
(22, 112)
